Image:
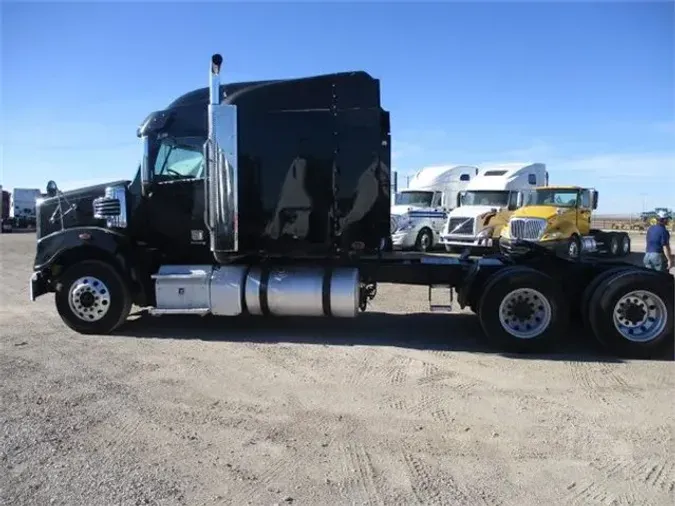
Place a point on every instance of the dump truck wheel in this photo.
(522, 310)
(631, 314)
(92, 298)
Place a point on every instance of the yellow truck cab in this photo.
(559, 218)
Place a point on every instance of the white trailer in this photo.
(419, 212)
(22, 206)
(486, 205)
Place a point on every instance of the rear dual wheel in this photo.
(630, 312)
(523, 310)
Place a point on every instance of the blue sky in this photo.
(588, 88)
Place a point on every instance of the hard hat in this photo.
(661, 214)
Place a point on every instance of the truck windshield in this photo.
(413, 198)
(560, 198)
(485, 198)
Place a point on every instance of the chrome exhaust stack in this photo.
(221, 181)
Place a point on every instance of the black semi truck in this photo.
(272, 198)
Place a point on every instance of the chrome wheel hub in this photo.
(640, 316)
(573, 249)
(89, 299)
(525, 313)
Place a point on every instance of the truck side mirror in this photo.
(594, 197)
(519, 200)
(460, 198)
(145, 167)
(52, 189)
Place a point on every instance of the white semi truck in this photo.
(22, 206)
(419, 212)
(486, 205)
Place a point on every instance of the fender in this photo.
(56, 251)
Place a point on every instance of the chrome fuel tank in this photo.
(302, 291)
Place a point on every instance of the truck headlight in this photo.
(405, 226)
(485, 233)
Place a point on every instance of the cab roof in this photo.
(560, 187)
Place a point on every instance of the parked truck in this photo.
(272, 198)
(559, 218)
(486, 205)
(5, 220)
(23, 207)
(419, 211)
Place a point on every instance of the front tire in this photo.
(92, 298)
(573, 250)
(425, 240)
(522, 309)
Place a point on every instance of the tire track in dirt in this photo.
(361, 476)
(600, 381)
(592, 492)
(433, 489)
(656, 473)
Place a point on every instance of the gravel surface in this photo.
(384, 409)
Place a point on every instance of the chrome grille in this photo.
(527, 228)
(460, 226)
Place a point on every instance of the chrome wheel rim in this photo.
(573, 249)
(625, 245)
(424, 242)
(640, 316)
(525, 313)
(614, 246)
(89, 299)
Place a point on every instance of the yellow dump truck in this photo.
(559, 218)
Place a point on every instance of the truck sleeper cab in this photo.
(286, 212)
(486, 205)
(419, 212)
(559, 218)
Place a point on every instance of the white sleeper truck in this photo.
(419, 212)
(485, 207)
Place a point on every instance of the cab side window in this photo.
(179, 158)
(513, 201)
(436, 201)
(585, 199)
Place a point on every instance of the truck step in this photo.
(440, 308)
(197, 310)
(440, 298)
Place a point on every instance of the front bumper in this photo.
(467, 241)
(403, 240)
(37, 286)
(512, 246)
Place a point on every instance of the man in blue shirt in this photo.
(658, 255)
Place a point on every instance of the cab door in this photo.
(438, 212)
(175, 205)
(584, 212)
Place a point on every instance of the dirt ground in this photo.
(384, 409)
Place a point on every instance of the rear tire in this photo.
(92, 298)
(522, 310)
(592, 288)
(631, 314)
(624, 244)
(614, 246)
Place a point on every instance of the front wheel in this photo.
(92, 298)
(424, 240)
(574, 247)
(521, 308)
